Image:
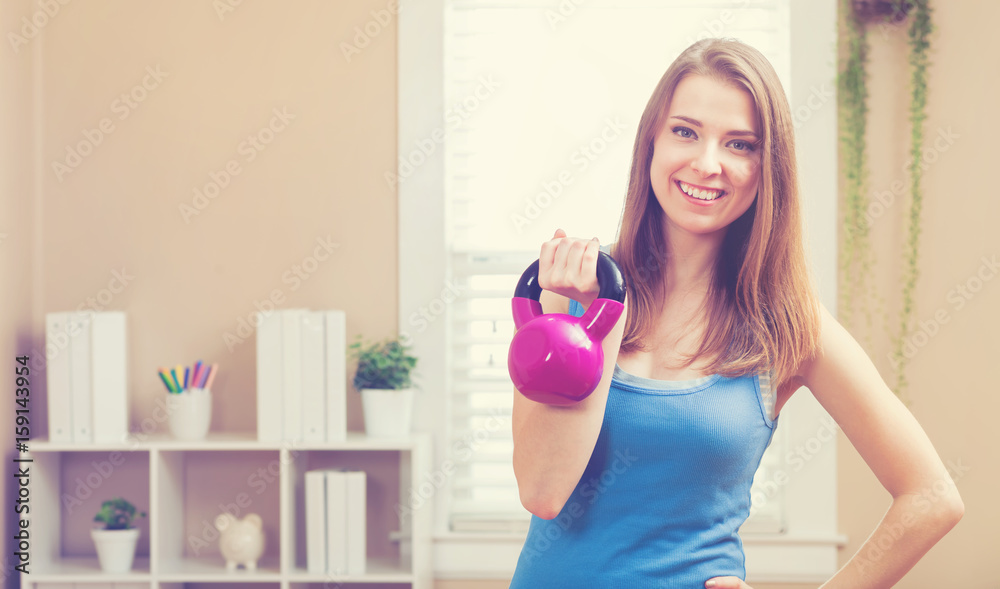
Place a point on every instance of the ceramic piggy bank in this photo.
(241, 541)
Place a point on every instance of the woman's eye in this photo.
(742, 145)
(683, 132)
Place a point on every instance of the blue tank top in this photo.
(667, 487)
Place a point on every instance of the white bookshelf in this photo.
(183, 486)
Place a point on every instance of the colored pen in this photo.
(205, 369)
(177, 383)
(211, 376)
(196, 374)
(163, 377)
(187, 373)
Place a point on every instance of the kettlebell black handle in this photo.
(609, 277)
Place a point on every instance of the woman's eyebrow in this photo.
(697, 123)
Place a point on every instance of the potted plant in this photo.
(116, 541)
(383, 379)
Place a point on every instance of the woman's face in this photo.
(706, 156)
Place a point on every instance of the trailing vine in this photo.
(856, 256)
(919, 33)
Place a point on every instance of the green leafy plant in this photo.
(919, 35)
(382, 365)
(856, 256)
(117, 514)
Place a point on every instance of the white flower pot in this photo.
(115, 549)
(387, 412)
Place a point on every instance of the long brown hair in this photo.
(762, 310)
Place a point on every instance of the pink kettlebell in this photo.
(556, 358)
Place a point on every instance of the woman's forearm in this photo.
(912, 526)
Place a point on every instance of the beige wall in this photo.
(192, 281)
(321, 178)
(17, 238)
(952, 392)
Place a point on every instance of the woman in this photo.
(646, 482)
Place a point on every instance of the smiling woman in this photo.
(705, 174)
(716, 335)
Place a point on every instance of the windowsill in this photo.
(778, 558)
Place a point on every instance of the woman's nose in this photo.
(707, 163)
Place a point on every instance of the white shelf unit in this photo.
(183, 486)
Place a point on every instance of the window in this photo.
(543, 123)
(535, 106)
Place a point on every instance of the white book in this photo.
(81, 376)
(109, 376)
(336, 376)
(270, 417)
(57, 368)
(316, 550)
(357, 524)
(336, 523)
(292, 369)
(313, 378)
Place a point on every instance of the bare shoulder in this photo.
(845, 381)
(831, 339)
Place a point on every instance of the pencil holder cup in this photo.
(189, 413)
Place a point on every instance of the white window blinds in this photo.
(542, 104)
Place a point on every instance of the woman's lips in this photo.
(696, 200)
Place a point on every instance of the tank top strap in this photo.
(768, 394)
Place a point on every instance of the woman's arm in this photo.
(553, 444)
(925, 502)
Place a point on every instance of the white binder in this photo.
(313, 378)
(316, 550)
(80, 325)
(292, 369)
(336, 375)
(109, 376)
(270, 374)
(57, 367)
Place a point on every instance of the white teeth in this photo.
(700, 194)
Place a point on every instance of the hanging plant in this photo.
(852, 82)
(919, 34)
(856, 252)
